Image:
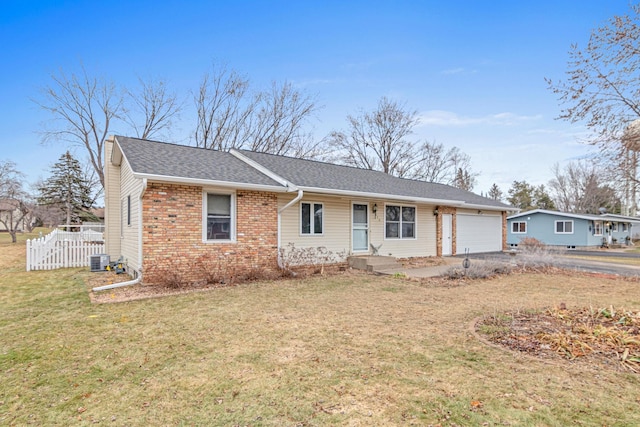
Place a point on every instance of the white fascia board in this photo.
(211, 183)
(262, 169)
(116, 153)
(424, 200)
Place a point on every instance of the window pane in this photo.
(306, 218)
(218, 228)
(559, 227)
(393, 213)
(219, 204)
(514, 227)
(359, 214)
(408, 230)
(317, 219)
(568, 227)
(392, 229)
(523, 227)
(409, 214)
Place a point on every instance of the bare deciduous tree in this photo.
(271, 121)
(602, 84)
(377, 140)
(278, 122)
(152, 108)
(84, 107)
(224, 107)
(14, 201)
(580, 188)
(434, 163)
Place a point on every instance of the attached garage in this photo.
(478, 233)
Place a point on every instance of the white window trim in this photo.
(312, 226)
(415, 222)
(205, 213)
(519, 232)
(555, 226)
(595, 232)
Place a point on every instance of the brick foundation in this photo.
(173, 244)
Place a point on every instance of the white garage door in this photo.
(478, 233)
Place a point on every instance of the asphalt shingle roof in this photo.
(159, 158)
(309, 173)
(179, 161)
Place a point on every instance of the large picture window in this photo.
(400, 222)
(219, 209)
(311, 218)
(564, 227)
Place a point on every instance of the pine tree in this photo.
(495, 193)
(68, 189)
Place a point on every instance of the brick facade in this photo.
(173, 235)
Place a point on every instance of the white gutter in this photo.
(118, 285)
(282, 209)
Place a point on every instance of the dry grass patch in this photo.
(339, 350)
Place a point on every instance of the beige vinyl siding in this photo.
(336, 224)
(423, 245)
(337, 235)
(112, 204)
(130, 239)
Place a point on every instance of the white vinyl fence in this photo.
(62, 249)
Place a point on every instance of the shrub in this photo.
(317, 258)
(478, 270)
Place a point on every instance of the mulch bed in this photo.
(606, 337)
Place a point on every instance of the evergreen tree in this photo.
(68, 189)
(495, 193)
(525, 196)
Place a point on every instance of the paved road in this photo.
(567, 260)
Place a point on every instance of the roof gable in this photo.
(154, 159)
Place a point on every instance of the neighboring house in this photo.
(9, 213)
(170, 207)
(569, 230)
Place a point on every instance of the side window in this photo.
(311, 218)
(219, 219)
(519, 227)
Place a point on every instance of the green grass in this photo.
(342, 350)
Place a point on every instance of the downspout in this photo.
(138, 273)
(282, 209)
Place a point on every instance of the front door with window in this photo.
(360, 227)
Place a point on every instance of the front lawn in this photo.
(350, 349)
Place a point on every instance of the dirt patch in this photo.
(601, 338)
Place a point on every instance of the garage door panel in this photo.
(478, 233)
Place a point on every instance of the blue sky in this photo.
(474, 70)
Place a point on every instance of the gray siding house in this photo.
(569, 230)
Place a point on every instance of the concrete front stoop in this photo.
(375, 263)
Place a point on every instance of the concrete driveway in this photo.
(566, 260)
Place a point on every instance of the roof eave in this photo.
(425, 200)
(211, 183)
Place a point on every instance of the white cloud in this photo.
(457, 70)
(451, 119)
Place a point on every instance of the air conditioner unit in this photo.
(99, 262)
